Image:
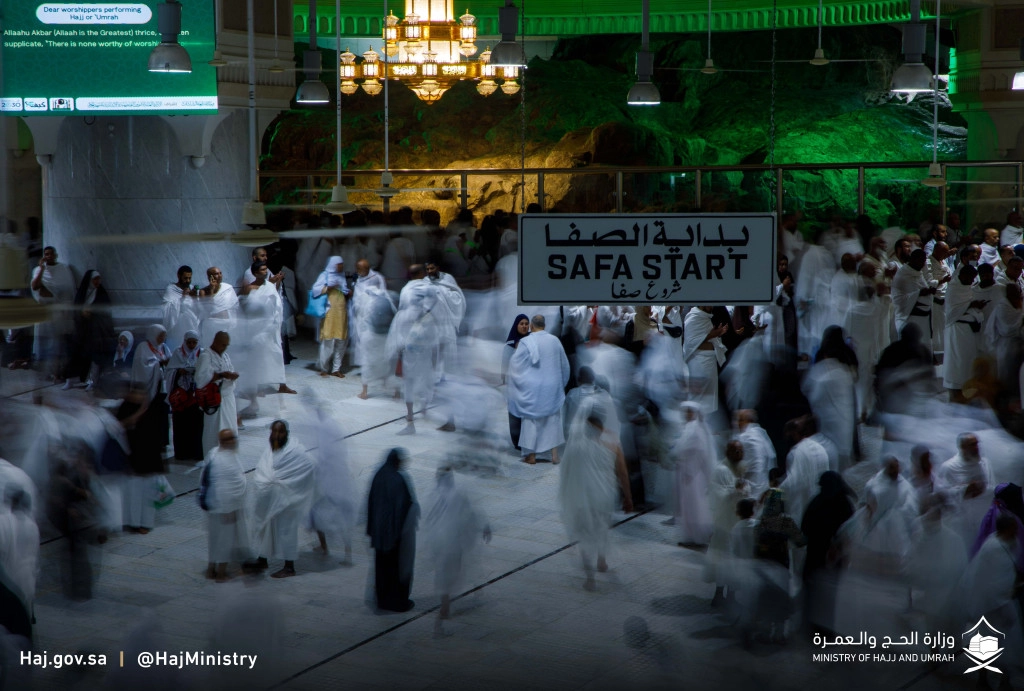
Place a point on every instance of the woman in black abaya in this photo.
(520, 329)
(93, 339)
(392, 516)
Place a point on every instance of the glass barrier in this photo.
(890, 194)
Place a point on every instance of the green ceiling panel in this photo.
(565, 18)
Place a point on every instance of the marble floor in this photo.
(521, 621)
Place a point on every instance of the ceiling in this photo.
(564, 18)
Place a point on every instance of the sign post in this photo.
(647, 259)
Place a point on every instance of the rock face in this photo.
(573, 115)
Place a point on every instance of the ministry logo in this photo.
(983, 645)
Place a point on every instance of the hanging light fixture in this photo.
(339, 203)
(169, 56)
(371, 72)
(510, 86)
(217, 60)
(428, 51)
(709, 64)
(644, 92)
(347, 73)
(385, 191)
(1018, 79)
(935, 178)
(488, 72)
(276, 67)
(912, 77)
(312, 91)
(819, 58)
(254, 215)
(508, 52)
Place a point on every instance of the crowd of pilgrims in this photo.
(840, 456)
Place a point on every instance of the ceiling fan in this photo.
(819, 58)
(709, 67)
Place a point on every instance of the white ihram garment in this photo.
(284, 482)
(226, 417)
(226, 519)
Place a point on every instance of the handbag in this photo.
(164, 493)
(208, 398)
(316, 305)
(180, 398)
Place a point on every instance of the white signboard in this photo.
(646, 259)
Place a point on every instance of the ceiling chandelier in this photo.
(428, 51)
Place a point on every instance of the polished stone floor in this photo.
(523, 620)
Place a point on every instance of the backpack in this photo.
(381, 314)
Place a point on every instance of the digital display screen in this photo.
(61, 58)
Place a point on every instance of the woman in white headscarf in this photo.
(593, 471)
(187, 421)
(123, 353)
(144, 415)
(695, 456)
(333, 329)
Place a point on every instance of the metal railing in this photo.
(619, 173)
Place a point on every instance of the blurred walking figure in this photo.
(593, 473)
(703, 354)
(450, 304)
(52, 284)
(413, 343)
(71, 509)
(372, 313)
(19, 556)
(334, 502)
(727, 487)
(452, 527)
(773, 604)
(695, 456)
(144, 415)
(264, 312)
(94, 331)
